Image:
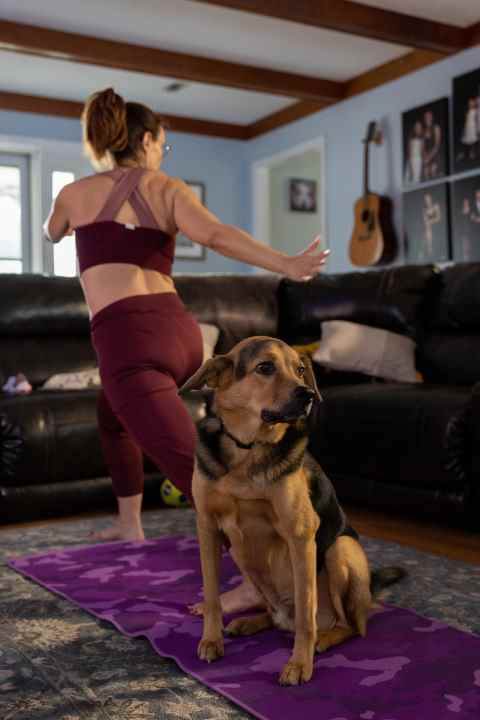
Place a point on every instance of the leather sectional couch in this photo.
(393, 445)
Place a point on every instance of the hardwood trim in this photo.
(47, 43)
(390, 71)
(70, 109)
(473, 35)
(357, 19)
(293, 112)
(369, 80)
(425, 534)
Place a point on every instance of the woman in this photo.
(146, 341)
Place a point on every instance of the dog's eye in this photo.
(301, 370)
(265, 368)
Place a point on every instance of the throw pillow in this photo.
(80, 380)
(370, 350)
(307, 349)
(210, 335)
(84, 379)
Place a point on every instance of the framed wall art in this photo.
(186, 249)
(466, 219)
(426, 224)
(303, 195)
(425, 142)
(466, 121)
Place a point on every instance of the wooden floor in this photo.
(423, 534)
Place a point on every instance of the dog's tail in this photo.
(382, 578)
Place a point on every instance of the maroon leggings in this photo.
(147, 346)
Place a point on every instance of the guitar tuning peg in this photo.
(379, 137)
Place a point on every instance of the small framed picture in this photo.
(466, 121)
(303, 195)
(466, 219)
(186, 249)
(426, 224)
(425, 143)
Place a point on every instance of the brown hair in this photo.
(111, 125)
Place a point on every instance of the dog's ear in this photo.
(309, 375)
(217, 372)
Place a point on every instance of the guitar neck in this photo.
(366, 175)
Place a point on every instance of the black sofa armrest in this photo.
(11, 446)
(473, 500)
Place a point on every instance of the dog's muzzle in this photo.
(298, 406)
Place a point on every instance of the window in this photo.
(64, 254)
(15, 213)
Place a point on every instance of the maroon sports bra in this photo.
(107, 241)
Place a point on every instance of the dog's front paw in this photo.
(296, 673)
(210, 649)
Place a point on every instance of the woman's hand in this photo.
(306, 264)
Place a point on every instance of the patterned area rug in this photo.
(56, 661)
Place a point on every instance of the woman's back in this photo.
(85, 199)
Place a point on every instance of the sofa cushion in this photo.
(391, 299)
(239, 305)
(54, 436)
(401, 434)
(450, 347)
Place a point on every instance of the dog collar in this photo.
(238, 443)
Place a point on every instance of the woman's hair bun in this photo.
(105, 122)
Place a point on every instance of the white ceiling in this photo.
(195, 28)
(452, 12)
(53, 78)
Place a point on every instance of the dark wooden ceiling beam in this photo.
(390, 71)
(72, 109)
(293, 112)
(370, 80)
(47, 43)
(474, 35)
(357, 19)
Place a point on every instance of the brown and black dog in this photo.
(255, 482)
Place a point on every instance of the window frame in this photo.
(22, 162)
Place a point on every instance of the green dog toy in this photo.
(171, 495)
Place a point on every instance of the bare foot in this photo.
(243, 597)
(118, 532)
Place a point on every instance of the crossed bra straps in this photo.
(107, 241)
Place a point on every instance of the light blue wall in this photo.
(214, 161)
(225, 166)
(343, 126)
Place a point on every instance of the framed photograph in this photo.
(466, 219)
(303, 195)
(185, 249)
(466, 121)
(425, 143)
(426, 224)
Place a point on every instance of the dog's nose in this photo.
(303, 393)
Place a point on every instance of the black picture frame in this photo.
(466, 219)
(186, 249)
(426, 224)
(426, 137)
(466, 121)
(302, 193)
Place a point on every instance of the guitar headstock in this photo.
(374, 133)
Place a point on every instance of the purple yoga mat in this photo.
(407, 668)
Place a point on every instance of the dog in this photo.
(255, 482)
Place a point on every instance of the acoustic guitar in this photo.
(373, 237)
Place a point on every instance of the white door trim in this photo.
(261, 188)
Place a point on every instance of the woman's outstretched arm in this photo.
(202, 226)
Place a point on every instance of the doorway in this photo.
(289, 198)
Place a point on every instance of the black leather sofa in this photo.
(393, 445)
